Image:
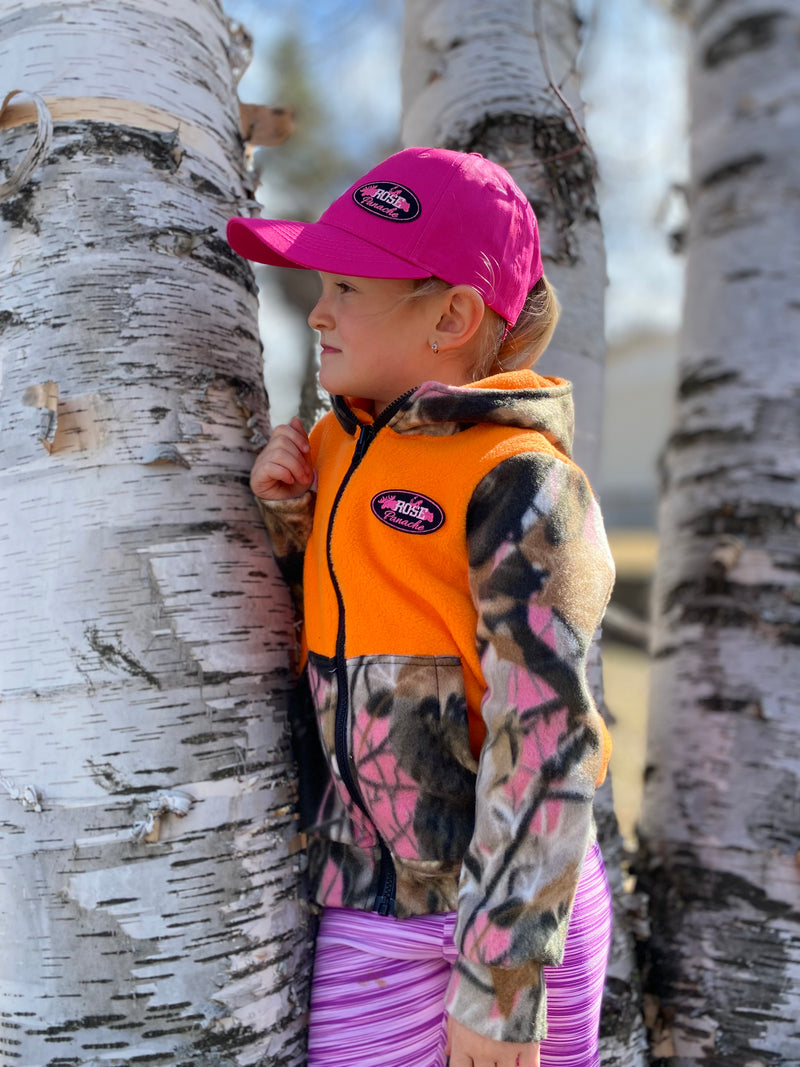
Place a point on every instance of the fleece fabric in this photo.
(454, 570)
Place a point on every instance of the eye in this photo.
(345, 287)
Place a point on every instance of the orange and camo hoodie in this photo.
(454, 569)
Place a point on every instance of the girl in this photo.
(454, 569)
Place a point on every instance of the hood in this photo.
(520, 399)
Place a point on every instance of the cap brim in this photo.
(315, 246)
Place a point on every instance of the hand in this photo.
(281, 470)
(468, 1049)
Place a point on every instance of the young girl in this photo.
(454, 569)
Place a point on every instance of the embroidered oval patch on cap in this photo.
(389, 200)
(409, 512)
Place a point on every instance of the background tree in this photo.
(300, 179)
(302, 176)
(721, 824)
(502, 79)
(148, 906)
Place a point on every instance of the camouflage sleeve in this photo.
(540, 574)
(288, 524)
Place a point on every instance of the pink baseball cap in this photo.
(421, 212)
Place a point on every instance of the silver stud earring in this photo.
(435, 347)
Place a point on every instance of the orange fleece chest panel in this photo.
(397, 544)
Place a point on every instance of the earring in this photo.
(435, 347)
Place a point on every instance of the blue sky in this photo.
(353, 50)
(635, 87)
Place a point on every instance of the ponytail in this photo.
(525, 341)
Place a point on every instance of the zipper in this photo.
(387, 883)
(387, 878)
(366, 437)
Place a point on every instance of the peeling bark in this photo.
(721, 821)
(148, 886)
(482, 77)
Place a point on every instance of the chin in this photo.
(330, 385)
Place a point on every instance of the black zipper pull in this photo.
(387, 883)
(364, 441)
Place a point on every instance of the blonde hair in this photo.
(523, 343)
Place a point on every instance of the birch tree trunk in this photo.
(721, 824)
(483, 77)
(147, 887)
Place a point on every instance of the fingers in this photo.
(469, 1049)
(282, 469)
(291, 435)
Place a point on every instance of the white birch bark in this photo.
(480, 77)
(147, 887)
(721, 823)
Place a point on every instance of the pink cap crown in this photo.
(422, 212)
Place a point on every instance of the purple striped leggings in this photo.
(377, 998)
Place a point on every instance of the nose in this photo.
(320, 315)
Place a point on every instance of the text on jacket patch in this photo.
(407, 511)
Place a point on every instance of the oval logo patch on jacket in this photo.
(389, 200)
(406, 511)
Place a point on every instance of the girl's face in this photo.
(375, 341)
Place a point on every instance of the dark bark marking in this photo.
(200, 529)
(621, 1016)
(738, 521)
(742, 275)
(774, 822)
(247, 335)
(211, 678)
(106, 776)
(138, 790)
(699, 382)
(216, 254)
(74, 1025)
(232, 770)
(17, 210)
(734, 606)
(161, 150)
(745, 35)
(734, 168)
(207, 188)
(709, 597)
(686, 900)
(109, 1044)
(566, 162)
(8, 319)
(716, 610)
(687, 438)
(157, 1059)
(723, 704)
(230, 1041)
(178, 240)
(118, 657)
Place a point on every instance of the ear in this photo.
(461, 315)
